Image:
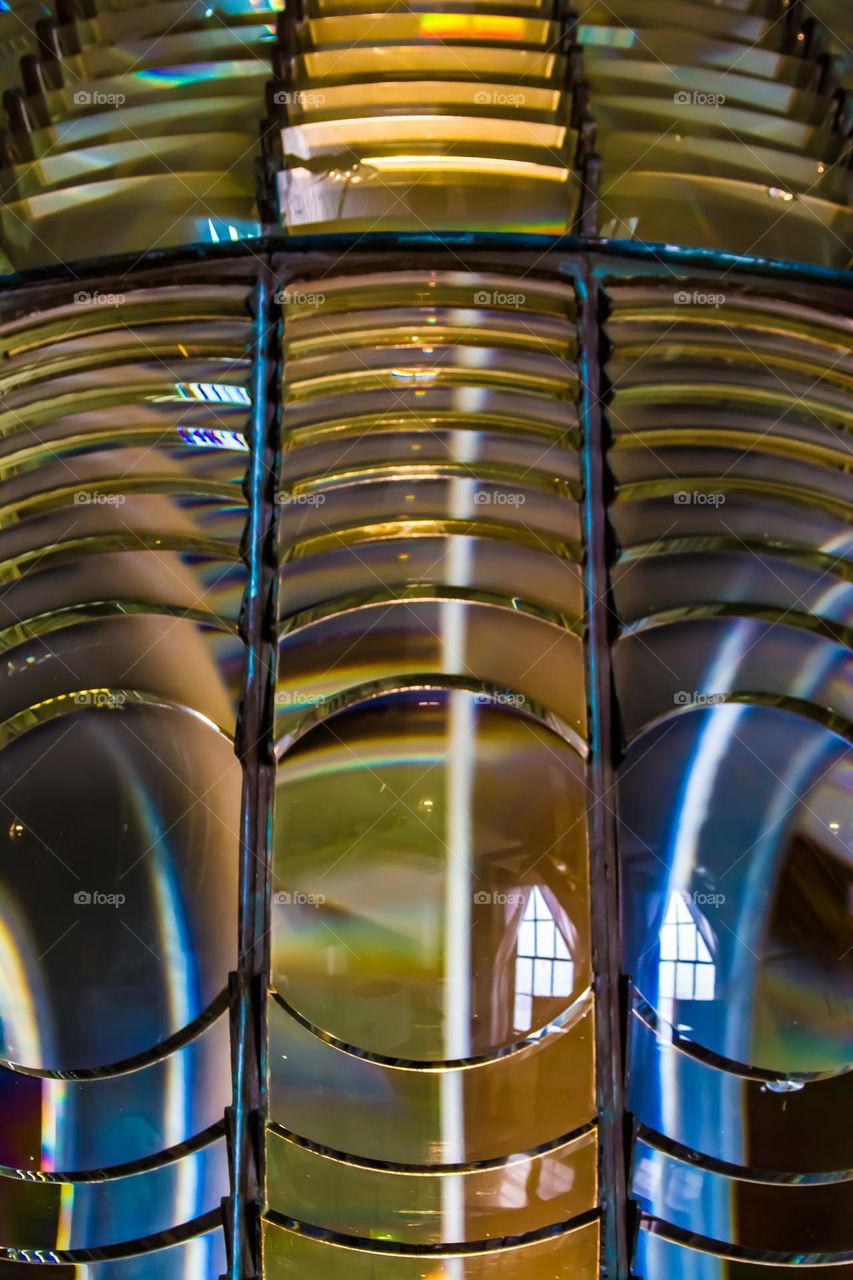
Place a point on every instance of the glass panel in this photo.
(431, 1043)
(674, 665)
(731, 505)
(680, 579)
(122, 451)
(450, 28)
(354, 62)
(526, 662)
(420, 149)
(616, 111)
(749, 27)
(660, 1258)
(454, 191)
(759, 821)
(452, 813)
(124, 132)
(427, 503)
(407, 1115)
(689, 93)
(48, 229)
(572, 1255)
(756, 1215)
(711, 135)
(64, 1216)
(100, 847)
(195, 1257)
(748, 1119)
(618, 42)
(761, 219)
(56, 1125)
(752, 522)
(519, 1195)
(390, 567)
(712, 157)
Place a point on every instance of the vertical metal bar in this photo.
(255, 749)
(603, 854)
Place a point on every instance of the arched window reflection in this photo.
(686, 970)
(543, 963)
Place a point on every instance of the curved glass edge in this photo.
(308, 1075)
(76, 1215)
(289, 1255)
(198, 1254)
(659, 1257)
(769, 1128)
(523, 1194)
(744, 1211)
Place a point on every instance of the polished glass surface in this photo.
(754, 849)
(430, 937)
(732, 673)
(450, 804)
(488, 677)
(515, 1197)
(658, 1255)
(572, 1255)
(448, 563)
(753, 212)
(122, 452)
(111, 868)
(751, 1123)
(142, 121)
(786, 1217)
(196, 1258)
(55, 1124)
(63, 1216)
(462, 124)
(438, 1115)
(718, 128)
(419, 643)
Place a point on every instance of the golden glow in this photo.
(474, 26)
(489, 96)
(386, 130)
(467, 164)
(66, 1216)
